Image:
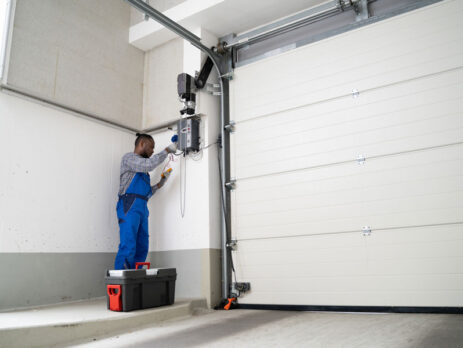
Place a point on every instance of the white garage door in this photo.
(318, 166)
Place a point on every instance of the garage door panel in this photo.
(430, 23)
(385, 265)
(306, 76)
(378, 126)
(348, 123)
(362, 181)
(316, 256)
(368, 139)
(416, 188)
(408, 94)
(379, 259)
(285, 198)
(346, 198)
(429, 234)
(354, 266)
(410, 67)
(423, 266)
(377, 215)
(432, 282)
(396, 168)
(421, 298)
(430, 105)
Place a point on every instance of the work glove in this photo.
(172, 148)
(162, 182)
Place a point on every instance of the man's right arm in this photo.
(137, 163)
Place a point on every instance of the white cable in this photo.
(182, 185)
(196, 156)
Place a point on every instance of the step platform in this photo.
(77, 322)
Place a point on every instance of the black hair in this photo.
(141, 136)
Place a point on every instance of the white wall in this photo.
(160, 99)
(200, 227)
(168, 229)
(59, 180)
(77, 53)
(58, 188)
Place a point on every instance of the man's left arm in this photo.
(160, 184)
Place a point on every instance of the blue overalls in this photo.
(132, 212)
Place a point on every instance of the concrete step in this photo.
(61, 324)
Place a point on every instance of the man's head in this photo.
(144, 145)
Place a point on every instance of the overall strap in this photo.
(134, 195)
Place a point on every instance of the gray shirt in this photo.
(132, 163)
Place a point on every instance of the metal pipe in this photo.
(291, 22)
(5, 41)
(170, 24)
(161, 127)
(196, 41)
(19, 92)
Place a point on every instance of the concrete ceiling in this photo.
(220, 17)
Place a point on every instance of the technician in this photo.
(134, 191)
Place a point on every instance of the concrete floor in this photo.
(72, 313)
(253, 328)
(57, 325)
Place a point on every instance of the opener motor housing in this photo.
(188, 134)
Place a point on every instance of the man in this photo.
(134, 192)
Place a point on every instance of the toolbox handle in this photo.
(115, 300)
(142, 264)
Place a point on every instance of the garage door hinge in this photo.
(232, 244)
(361, 159)
(361, 9)
(366, 231)
(238, 288)
(213, 88)
(230, 127)
(228, 76)
(231, 185)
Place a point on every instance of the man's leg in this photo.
(128, 227)
(142, 240)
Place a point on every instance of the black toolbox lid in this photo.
(167, 272)
(161, 272)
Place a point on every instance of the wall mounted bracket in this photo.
(230, 127)
(231, 185)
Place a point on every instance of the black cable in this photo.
(224, 210)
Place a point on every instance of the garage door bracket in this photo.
(239, 287)
(232, 244)
(231, 185)
(230, 127)
(361, 159)
(366, 231)
(228, 75)
(213, 89)
(361, 9)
